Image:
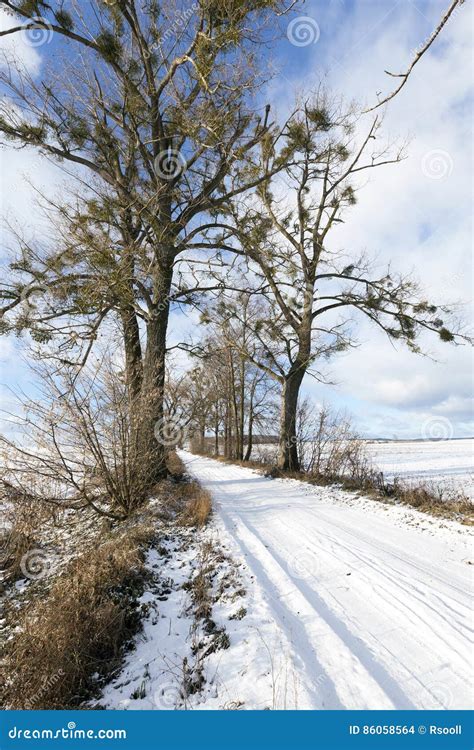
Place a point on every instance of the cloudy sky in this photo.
(416, 214)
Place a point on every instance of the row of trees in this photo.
(184, 191)
(229, 400)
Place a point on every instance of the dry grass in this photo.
(197, 508)
(430, 498)
(65, 636)
(79, 628)
(174, 465)
(14, 545)
(200, 588)
(24, 518)
(186, 499)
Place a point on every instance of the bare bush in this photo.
(75, 446)
(328, 445)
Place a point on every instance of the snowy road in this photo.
(360, 605)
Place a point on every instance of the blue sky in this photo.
(416, 214)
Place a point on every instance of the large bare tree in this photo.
(151, 107)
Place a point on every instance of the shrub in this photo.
(329, 447)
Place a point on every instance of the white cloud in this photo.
(416, 214)
(419, 222)
(23, 46)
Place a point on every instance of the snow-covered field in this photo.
(448, 463)
(331, 601)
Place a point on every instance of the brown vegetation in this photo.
(198, 507)
(79, 628)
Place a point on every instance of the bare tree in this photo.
(314, 293)
(151, 109)
(71, 445)
(328, 445)
(238, 396)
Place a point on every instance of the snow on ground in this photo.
(349, 603)
(320, 600)
(152, 675)
(175, 660)
(447, 463)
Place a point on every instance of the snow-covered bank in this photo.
(350, 603)
(193, 599)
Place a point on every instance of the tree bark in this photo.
(240, 447)
(133, 353)
(288, 458)
(248, 452)
(216, 434)
(154, 438)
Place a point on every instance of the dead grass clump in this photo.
(201, 593)
(79, 629)
(431, 498)
(174, 465)
(198, 507)
(15, 543)
(23, 518)
(200, 586)
(197, 510)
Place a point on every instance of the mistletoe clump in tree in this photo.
(316, 293)
(153, 119)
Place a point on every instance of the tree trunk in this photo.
(234, 407)
(240, 449)
(133, 353)
(216, 434)
(154, 437)
(227, 428)
(288, 458)
(248, 452)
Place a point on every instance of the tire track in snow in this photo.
(400, 582)
(395, 599)
(340, 651)
(376, 678)
(304, 652)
